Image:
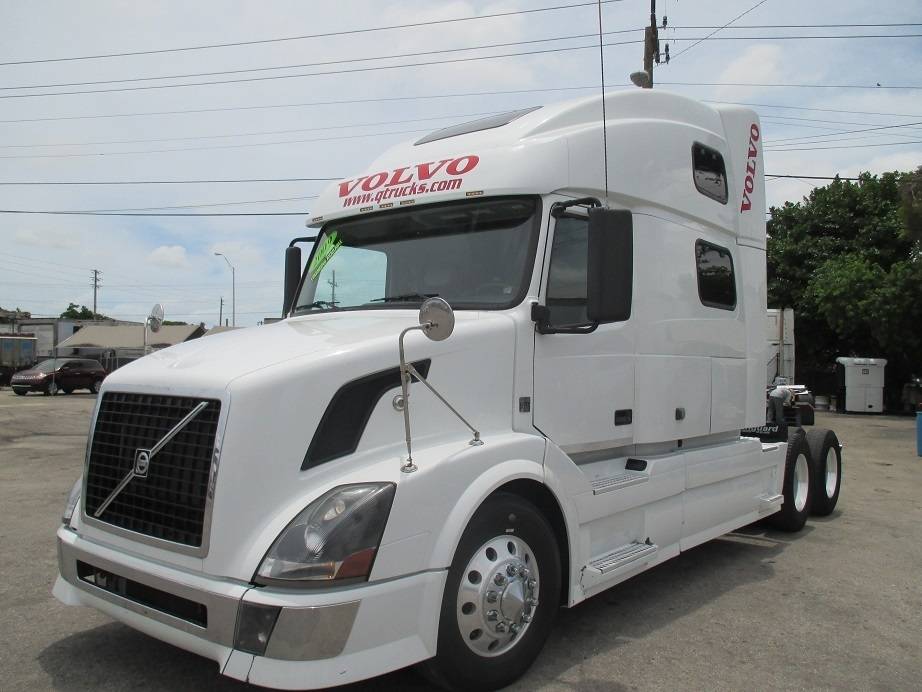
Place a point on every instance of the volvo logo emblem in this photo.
(141, 463)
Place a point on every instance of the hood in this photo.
(213, 364)
(31, 372)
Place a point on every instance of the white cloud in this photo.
(46, 237)
(169, 257)
(760, 64)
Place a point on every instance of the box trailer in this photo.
(525, 383)
(16, 353)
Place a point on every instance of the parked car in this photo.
(59, 375)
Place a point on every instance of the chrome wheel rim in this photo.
(832, 472)
(52, 389)
(498, 595)
(801, 482)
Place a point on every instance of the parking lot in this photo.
(837, 606)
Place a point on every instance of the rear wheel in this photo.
(501, 597)
(95, 386)
(826, 450)
(797, 488)
(20, 392)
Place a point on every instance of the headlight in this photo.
(72, 501)
(335, 538)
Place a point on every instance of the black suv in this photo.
(59, 375)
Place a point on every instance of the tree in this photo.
(845, 260)
(911, 197)
(78, 312)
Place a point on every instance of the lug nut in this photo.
(499, 579)
(492, 597)
(533, 602)
(511, 570)
(526, 618)
(492, 616)
(514, 629)
(523, 572)
(500, 627)
(532, 584)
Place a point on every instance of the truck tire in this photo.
(797, 487)
(500, 599)
(827, 453)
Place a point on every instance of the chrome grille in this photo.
(169, 503)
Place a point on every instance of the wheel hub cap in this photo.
(832, 472)
(801, 482)
(498, 595)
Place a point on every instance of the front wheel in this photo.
(501, 597)
(52, 389)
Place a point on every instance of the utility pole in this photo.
(651, 52)
(333, 285)
(221, 312)
(233, 287)
(96, 277)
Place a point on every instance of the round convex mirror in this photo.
(437, 319)
(155, 320)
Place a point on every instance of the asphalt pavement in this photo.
(836, 606)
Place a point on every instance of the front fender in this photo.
(434, 504)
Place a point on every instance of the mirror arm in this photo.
(407, 373)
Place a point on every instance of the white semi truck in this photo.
(512, 374)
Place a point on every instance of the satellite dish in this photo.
(437, 319)
(155, 319)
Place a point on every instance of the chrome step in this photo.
(770, 503)
(622, 557)
(616, 482)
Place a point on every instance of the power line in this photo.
(845, 132)
(739, 16)
(311, 64)
(376, 68)
(418, 97)
(212, 204)
(306, 36)
(98, 213)
(167, 182)
(249, 134)
(811, 177)
(208, 148)
(795, 86)
(846, 146)
(798, 26)
(352, 70)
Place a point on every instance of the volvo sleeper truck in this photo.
(513, 373)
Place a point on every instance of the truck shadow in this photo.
(113, 656)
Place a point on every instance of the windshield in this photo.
(474, 254)
(49, 365)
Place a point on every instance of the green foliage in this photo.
(845, 260)
(77, 312)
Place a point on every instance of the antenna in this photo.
(604, 117)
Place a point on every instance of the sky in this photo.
(332, 125)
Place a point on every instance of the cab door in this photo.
(584, 375)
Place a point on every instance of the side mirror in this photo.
(155, 319)
(437, 319)
(292, 277)
(611, 265)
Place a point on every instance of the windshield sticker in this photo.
(407, 181)
(328, 247)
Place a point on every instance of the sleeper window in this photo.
(709, 171)
(716, 281)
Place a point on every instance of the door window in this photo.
(567, 275)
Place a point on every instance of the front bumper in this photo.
(37, 386)
(320, 638)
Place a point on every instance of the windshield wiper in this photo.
(404, 298)
(317, 304)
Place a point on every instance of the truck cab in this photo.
(512, 373)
